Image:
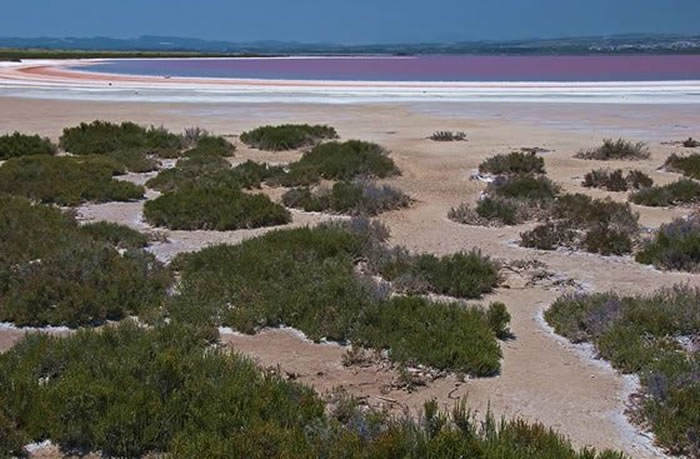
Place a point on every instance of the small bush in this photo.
(513, 163)
(16, 144)
(100, 137)
(211, 146)
(527, 187)
(616, 150)
(638, 179)
(640, 335)
(352, 198)
(192, 135)
(686, 165)
(691, 143)
(119, 236)
(64, 181)
(287, 136)
(218, 208)
(674, 246)
(448, 136)
(683, 191)
(134, 160)
(616, 181)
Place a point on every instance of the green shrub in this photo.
(353, 198)
(134, 160)
(78, 279)
(616, 150)
(674, 246)
(16, 144)
(220, 208)
(130, 391)
(513, 163)
(448, 136)
(209, 145)
(643, 335)
(64, 181)
(287, 136)
(100, 137)
(117, 235)
(499, 318)
(528, 187)
(686, 165)
(683, 191)
(612, 180)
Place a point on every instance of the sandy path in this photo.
(543, 377)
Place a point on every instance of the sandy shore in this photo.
(543, 378)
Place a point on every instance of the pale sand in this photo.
(543, 378)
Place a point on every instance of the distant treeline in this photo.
(19, 54)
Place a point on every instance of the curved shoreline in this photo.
(59, 79)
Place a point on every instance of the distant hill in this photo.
(618, 44)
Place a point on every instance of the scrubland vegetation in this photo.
(686, 165)
(17, 144)
(65, 181)
(352, 198)
(616, 180)
(616, 150)
(54, 272)
(101, 137)
(675, 246)
(513, 163)
(448, 136)
(653, 337)
(287, 136)
(208, 145)
(683, 191)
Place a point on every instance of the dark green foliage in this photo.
(616, 150)
(209, 145)
(287, 136)
(502, 210)
(616, 181)
(306, 278)
(513, 163)
(117, 235)
(527, 187)
(594, 225)
(686, 165)
(100, 137)
(65, 181)
(134, 160)
(644, 335)
(79, 278)
(674, 246)
(499, 318)
(129, 391)
(16, 144)
(448, 136)
(683, 191)
(220, 208)
(352, 198)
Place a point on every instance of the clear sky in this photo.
(347, 21)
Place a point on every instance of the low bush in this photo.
(220, 208)
(686, 165)
(120, 236)
(448, 136)
(683, 191)
(352, 198)
(645, 335)
(16, 144)
(691, 143)
(580, 222)
(209, 145)
(287, 136)
(100, 137)
(65, 181)
(675, 245)
(79, 278)
(616, 150)
(130, 391)
(134, 160)
(616, 181)
(513, 163)
(526, 187)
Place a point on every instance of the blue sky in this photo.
(347, 21)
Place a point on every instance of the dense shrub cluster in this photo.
(616, 181)
(100, 137)
(221, 208)
(79, 278)
(683, 191)
(208, 145)
(307, 278)
(287, 136)
(578, 221)
(686, 165)
(525, 187)
(65, 181)
(674, 246)
(132, 392)
(121, 237)
(133, 160)
(513, 163)
(352, 198)
(646, 335)
(616, 149)
(448, 136)
(16, 144)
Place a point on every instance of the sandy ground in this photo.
(543, 377)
